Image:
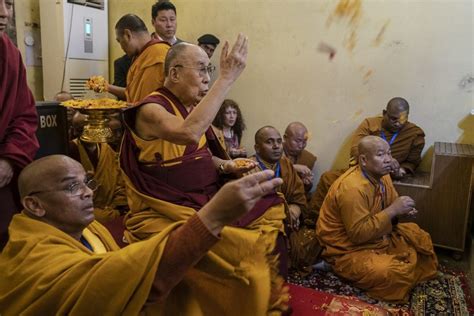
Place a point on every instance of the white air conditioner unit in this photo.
(74, 37)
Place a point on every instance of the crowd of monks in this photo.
(203, 234)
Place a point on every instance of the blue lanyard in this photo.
(382, 187)
(263, 167)
(86, 243)
(382, 134)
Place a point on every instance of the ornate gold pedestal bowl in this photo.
(96, 129)
(98, 112)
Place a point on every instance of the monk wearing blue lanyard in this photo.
(269, 155)
(406, 142)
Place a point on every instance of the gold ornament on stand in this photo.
(98, 112)
(96, 129)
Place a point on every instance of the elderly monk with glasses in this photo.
(173, 164)
(59, 261)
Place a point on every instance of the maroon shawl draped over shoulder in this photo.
(191, 183)
(18, 123)
(18, 116)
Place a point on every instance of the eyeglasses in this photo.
(202, 70)
(76, 188)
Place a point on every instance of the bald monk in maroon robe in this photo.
(18, 123)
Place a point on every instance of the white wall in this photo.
(423, 55)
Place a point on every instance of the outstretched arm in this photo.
(153, 121)
(190, 242)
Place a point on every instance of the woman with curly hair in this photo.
(229, 125)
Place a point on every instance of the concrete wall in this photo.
(117, 9)
(418, 49)
(28, 23)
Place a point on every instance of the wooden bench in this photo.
(443, 195)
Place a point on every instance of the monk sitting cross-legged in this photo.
(294, 144)
(358, 230)
(269, 155)
(59, 261)
(406, 141)
(173, 165)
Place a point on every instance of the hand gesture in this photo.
(307, 180)
(303, 170)
(239, 166)
(236, 198)
(403, 205)
(233, 62)
(97, 84)
(394, 166)
(295, 213)
(6, 172)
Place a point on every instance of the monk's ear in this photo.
(384, 112)
(257, 149)
(127, 35)
(173, 74)
(362, 160)
(33, 206)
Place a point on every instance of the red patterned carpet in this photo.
(323, 293)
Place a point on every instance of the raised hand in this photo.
(233, 63)
(236, 198)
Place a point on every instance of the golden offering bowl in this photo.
(96, 128)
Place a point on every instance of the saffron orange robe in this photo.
(45, 271)
(307, 159)
(292, 187)
(168, 183)
(363, 246)
(110, 197)
(303, 245)
(406, 149)
(146, 74)
(18, 123)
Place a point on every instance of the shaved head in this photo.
(398, 104)
(374, 156)
(132, 23)
(395, 116)
(294, 128)
(39, 174)
(55, 190)
(261, 133)
(268, 144)
(176, 54)
(187, 73)
(295, 139)
(370, 144)
(63, 96)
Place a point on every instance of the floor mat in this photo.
(444, 295)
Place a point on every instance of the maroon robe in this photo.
(191, 183)
(18, 123)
